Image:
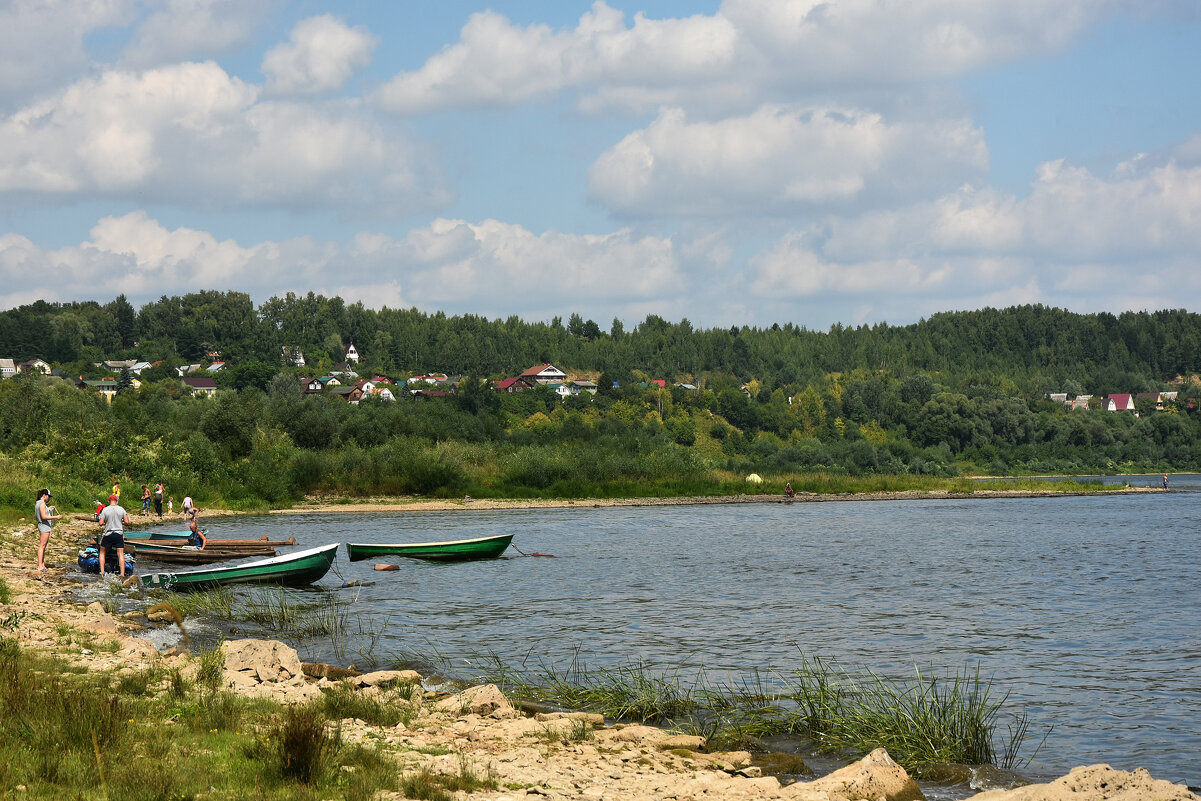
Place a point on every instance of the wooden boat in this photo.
(451, 551)
(181, 538)
(213, 542)
(293, 570)
(189, 555)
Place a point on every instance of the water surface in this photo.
(1085, 609)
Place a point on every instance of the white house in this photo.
(352, 355)
(545, 374)
(7, 368)
(293, 356)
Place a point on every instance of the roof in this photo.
(505, 383)
(1120, 399)
(200, 382)
(540, 369)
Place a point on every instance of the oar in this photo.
(523, 553)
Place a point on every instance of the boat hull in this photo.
(293, 570)
(452, 551)
(188, 555)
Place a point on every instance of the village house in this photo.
(545, 374)
(311, 386)
(34, 366)
(201, 385)
(106, 387)
(352, 355)
(1154, 397)
(7, 368)
(1119, 402)
(292, 355)
(216, 367)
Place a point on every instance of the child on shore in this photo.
(170, 504)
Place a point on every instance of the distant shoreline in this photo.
(428, 505)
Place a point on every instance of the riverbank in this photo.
(557, 756)
(318, 505)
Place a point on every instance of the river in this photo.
(1087, 610)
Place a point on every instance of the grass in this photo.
(930, 719)
(145, 737)
(395, 706)
(5, 593)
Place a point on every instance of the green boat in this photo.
(293, 570)
(451, 551)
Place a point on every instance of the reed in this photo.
(932, 718)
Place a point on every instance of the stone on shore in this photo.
(265, 668)
(1096, 783)
(876, 776)
(483, 700)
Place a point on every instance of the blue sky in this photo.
(744, 161)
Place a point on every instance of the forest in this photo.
(960, 393)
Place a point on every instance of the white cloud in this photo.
(489, 267)
(1129, 240)
(498, 63)
(778, 160)
(192, 134)
(42, 41)
(179, 30)
(320, 56)
(495, 266)
(822, 43)
(749, 52)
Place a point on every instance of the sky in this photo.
(742, 162)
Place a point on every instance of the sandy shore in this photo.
(411, 504)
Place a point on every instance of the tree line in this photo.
(1029, 350)
(959, 393)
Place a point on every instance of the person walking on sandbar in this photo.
(114, 518)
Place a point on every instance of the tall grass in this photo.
(95, 735)
(932, 718)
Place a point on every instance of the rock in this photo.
(268, 660)
(876, 776)
(381, 677)
(136, 646)
(689, 741)
(318, 670)
(1096, 783)
(591, 718)
(161, 616)
(486, 699)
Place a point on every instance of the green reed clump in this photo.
(5, 593)
(426, 785)
(305, 746)
(628, 692)
(211, 672)
(930, 719)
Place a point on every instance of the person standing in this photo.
(44, 515)
(117, 488)
(187, 506)
(115, 518)
(158, 498)
(170, 505)
(145, 500)
(1165, 480)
